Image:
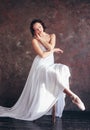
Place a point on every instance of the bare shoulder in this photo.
(34, 41)
(53, 36)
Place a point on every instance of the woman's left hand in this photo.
(57, 50)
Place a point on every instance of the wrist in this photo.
(52, 50)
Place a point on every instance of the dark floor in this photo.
(69, 121)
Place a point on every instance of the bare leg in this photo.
(75, 99)
(53, 114)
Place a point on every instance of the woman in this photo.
(40, 37)
(47, 82)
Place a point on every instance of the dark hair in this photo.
(36, 21)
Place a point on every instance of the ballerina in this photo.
(48, 41)
(47, 82)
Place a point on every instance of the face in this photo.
(38, 28)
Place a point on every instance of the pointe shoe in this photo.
(76, 100)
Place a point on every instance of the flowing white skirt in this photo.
(44, 87)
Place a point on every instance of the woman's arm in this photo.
(42, 53)
(51, 44)
(38, 50)
(48, 44)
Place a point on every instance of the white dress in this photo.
(44, 87)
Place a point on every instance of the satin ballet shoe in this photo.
(76, 100)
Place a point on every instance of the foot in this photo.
(76, 100)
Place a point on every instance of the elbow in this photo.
(42, 55)
(51, 48)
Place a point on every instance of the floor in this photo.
(69, 121)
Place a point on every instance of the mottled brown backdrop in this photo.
(68, 19)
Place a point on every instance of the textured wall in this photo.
(69, 20)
